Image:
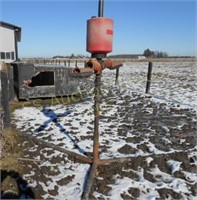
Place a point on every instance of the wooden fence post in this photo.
(5, 98)
(148, 83)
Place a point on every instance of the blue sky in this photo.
(52, 27)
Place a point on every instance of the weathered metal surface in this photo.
(37, 81)
(64, 83)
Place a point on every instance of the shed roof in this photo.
(17, 29)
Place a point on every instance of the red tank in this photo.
(99, 35)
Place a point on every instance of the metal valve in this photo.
(95, 66)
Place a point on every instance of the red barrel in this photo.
(99, 35)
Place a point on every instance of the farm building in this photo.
(10, 35)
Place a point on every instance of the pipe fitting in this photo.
(95, 65)
(110, 64)
(107, 63)
(81, 70)
(98, 67)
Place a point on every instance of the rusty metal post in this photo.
(117, 75)
(5, 99)
(91, 175)
(96, 117)
(148, 83)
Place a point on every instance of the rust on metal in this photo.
(95, 65)
(82, 70)
(100, 66)
(96, 117)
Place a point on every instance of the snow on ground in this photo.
(132, 124)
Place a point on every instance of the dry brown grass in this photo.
(10, 150)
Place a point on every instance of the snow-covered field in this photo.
(157, 130)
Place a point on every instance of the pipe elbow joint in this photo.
(110, 64)
(95, 65)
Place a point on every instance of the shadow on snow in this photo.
(53, 118)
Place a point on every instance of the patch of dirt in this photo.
(133, 139)
(126, 149)
(134, 193)
(66, 180)
(167, 193)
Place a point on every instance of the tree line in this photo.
(155, 54)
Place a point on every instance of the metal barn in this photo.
(10, 35)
